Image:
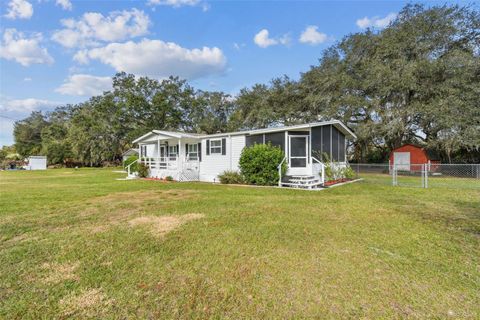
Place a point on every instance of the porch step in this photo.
(303, 182)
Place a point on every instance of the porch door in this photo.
(163, 153)
(298, 154)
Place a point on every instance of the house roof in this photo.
(167, 134)
(173, 134)
(338, 124)
(130, 152)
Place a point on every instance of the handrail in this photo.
(280, 171)
(128, 167)
(323, 168)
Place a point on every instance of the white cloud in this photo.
(312, 36)
(263, 40)
(26, 51)
(174, 3)
(376, 21)
(85, 85)
(93, 28)
(25, 105)
(157, 59)
(21, 9)
(27, 79)
(65, 4)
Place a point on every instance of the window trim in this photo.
(174, 147)
(192, 155)
(218, 148)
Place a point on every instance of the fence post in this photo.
(394, 175)
(423, 175)
(426, 177)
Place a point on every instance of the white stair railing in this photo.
(322, 169)
(128, 167)
(280, 171)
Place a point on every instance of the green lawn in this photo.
(80, 243)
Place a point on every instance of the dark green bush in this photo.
(258, 164)
(231, 177)
(169, 178)
(142, 170)
(133, 167)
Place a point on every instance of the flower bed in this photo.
(332, 182)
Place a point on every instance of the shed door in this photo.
(402, 160)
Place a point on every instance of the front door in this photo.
(298, 155)
(163, 153)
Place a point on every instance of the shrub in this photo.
(231, 177)
(349, 173)
(169, 178)
(329, 174)
(258, 164)
(142, 170)
(133, 167)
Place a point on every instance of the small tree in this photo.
(143, 170)
(259, 164)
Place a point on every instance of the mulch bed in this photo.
(332, 182)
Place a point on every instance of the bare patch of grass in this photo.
(58, 272)
(160, 226)
(139, 197)
(88, 303)
(119, 207)
(122, 204)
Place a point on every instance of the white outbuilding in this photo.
(37, 163)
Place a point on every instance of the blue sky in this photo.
(63, 51)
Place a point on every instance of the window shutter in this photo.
(166, 147)
(176, 151)
(224, 146)
(186, 149)
(199, 151)
(208, 147)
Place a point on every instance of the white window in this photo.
(143, 151)
(172, 150)
(192, 151)
(216, 146)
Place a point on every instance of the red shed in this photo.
(409, 157)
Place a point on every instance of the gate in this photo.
(454, 176)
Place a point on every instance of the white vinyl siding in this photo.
(214, 164)
(236, 146)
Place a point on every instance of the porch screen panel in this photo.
(317, 142)
(341, 147)
(277, 139)
(335, 140)
(326, 141)
(252, 139)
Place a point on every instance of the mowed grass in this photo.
(78, 243)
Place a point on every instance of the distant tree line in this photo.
(416, 81)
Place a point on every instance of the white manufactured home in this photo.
(200, 157)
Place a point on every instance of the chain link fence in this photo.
(457, 176)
